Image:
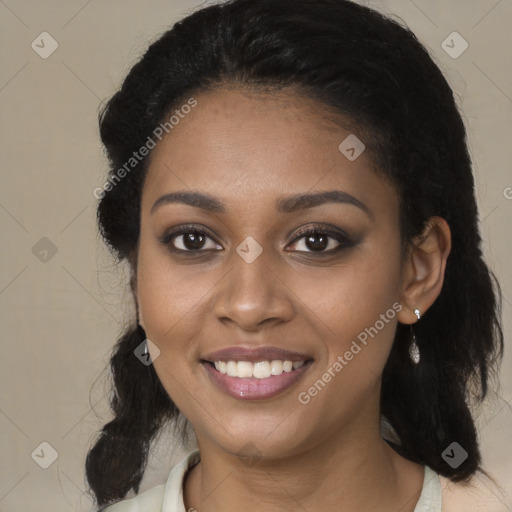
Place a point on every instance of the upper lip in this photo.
(255, 354)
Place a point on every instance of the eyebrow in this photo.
(286, 204)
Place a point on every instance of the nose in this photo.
(253, 294)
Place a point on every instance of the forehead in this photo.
(249, 146)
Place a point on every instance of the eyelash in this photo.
(343, 239)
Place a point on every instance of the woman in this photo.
(291, 186)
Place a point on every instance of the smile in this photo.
(258, 380)
(259, 370)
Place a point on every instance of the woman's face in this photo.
(253, 281)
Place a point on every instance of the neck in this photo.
(350, 472)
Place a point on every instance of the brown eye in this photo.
(321, 240)
(188, 239)
(316, 240)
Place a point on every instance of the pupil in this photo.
(193, 240)
(318, 246)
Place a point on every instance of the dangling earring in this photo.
(145, 354)
(414, 351)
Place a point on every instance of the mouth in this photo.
(255, 380)
(258, 370)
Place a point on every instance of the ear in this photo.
(423, 270)
(132, 260)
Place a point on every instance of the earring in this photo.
(145, 354)
(414, 351)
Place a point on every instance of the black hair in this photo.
(375, 73)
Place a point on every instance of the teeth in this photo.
(232, 368)
(276, 367)
(258, 370)
(244, 369)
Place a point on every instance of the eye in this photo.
(188, 239)
(317, 239)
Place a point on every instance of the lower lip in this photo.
(252, 388)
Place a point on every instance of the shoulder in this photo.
(168, 496)
(479, 494)
(148, 501)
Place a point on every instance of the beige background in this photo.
(60, 317)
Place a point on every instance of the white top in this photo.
(168, 497)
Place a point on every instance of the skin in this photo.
(248, 149)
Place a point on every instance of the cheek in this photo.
(357, 304)
(358, 291)
(170, 299)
